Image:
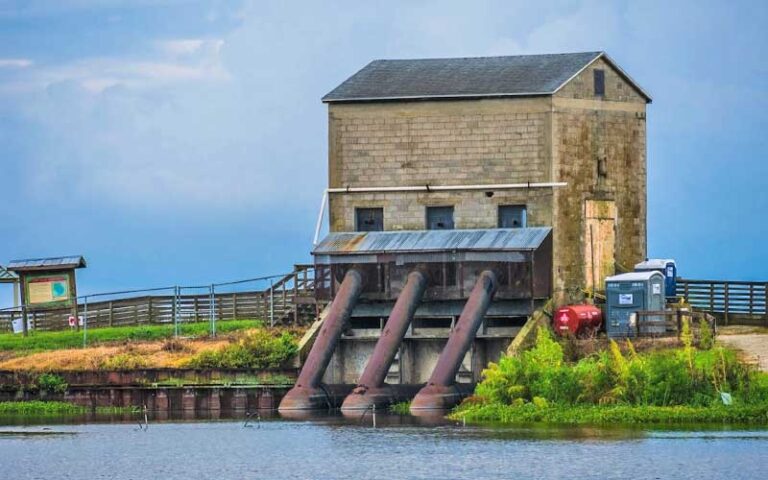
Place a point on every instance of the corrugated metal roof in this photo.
(53, 263)
(497, 239)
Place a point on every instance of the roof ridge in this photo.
(477, 57)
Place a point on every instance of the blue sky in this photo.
(185, 141)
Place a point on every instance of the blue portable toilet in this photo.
(667, 267)
(629, 293)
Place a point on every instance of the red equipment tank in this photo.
(577, 320)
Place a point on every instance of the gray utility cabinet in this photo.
(629, 293)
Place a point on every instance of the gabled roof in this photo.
(53, 263)
(478, 77)
(420, 241)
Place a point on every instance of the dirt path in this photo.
(753, 345)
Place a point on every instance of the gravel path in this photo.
(754, 346)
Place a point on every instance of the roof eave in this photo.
(467, 96)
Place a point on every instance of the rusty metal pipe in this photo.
(370, 389)
(440, 391)
(307, 393)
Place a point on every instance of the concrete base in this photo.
(318, 398)
(305, 398)
(364, 398)
(440, 397)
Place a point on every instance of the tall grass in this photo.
(39, 408)
(40, 341)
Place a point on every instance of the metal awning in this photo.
(7, 277)
(53, 263)
(493, 244)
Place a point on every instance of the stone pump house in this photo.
(481, 143)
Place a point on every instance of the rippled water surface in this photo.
(334, 447)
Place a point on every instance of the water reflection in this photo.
(330, 445)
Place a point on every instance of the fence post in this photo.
(679, 316)
(149, 309)
(765, 304)
(711, 297)
(212, 312)
(234, 305)
(175, 311)
(727, 301)
(751, 298)
(111, 313)
(271, 304)
(85, 321)
(284, 305)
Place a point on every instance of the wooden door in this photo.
(599, 242)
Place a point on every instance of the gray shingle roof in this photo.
(54, 263)
(520, 75)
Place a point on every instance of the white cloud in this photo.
(15, 63)
(190, 46)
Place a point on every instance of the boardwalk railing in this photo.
(289, 299)
(732, 302)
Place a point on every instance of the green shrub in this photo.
(706, 337)
(124, 361)
(50, 382)
(684, 376)
(257, 350)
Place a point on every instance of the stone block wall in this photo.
(439, 143)
(595, 144)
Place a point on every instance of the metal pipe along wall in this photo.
(439, 391)
(306, 394)
(368, 390)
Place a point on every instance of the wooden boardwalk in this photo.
(291, 299)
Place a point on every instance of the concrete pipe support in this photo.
(371, 389)
(308, 393)
(441, 391)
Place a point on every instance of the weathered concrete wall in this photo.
(600, 150)
(407, 211)
(419, 357)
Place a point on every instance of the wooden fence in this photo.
(664, 323)
(731, 302)
(289, 300)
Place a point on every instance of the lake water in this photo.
(333, 447)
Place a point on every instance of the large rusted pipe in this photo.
(370, 389)
(307, 394)
(440, 391)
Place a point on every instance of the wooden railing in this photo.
(289, 300)
(732, 302)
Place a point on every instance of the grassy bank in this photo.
(613, 414)
(59, 340)
(38, 408)
(240, 344)
(681, 385)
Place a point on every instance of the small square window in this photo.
(439, 218)
(599, 82)
(369, 219)
(512, 216)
